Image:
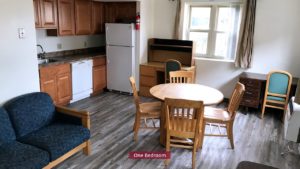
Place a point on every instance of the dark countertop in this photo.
(72, 58)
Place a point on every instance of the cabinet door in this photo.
(37, 16)
(48, 85)
(126, 11)
(99, 78)
(97, 17)
(110, 12)
(66, 25)
(64, 88)
(48, 13)
(83, 17)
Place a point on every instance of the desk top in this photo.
(197, 92)
(262, 77)
(161, 66)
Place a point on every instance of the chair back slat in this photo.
(183, 116)
(135, 94)
(181, 77)
(235, 99)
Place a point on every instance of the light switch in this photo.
(21, 33)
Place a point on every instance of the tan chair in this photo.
(184, 119)
(181, 77)
(224, 118)
(144, 111)
(277, 90)
(171, 65)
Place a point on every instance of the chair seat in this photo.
(211, 113)
(57, 138)
(16, 155)
(276, 98)
(151, 109)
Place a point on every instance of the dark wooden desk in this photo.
(255, 84)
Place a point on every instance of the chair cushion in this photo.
(276, 98)
(57, 138)
(16, 155)
(30, 112)
(278, 83)
(6, 129)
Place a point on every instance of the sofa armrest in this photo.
(83, 115)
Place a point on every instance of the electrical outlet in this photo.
(85, 44)
(59, 46)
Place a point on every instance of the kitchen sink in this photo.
(43, 61)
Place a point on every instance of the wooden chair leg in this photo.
(194, 153)
(136, 128)
(87, 149)
(135, 121)
(200, 142)
(263, 110)
(230, 133)
(167, 161)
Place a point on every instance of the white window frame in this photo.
(212, 31)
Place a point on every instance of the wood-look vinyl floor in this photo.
(112, 117)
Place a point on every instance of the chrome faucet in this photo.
(41, 55)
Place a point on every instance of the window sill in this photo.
(215, 60)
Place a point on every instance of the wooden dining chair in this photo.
(144, 111)
(277, 90)
(181, 77)
(171, 65)
(215, 117)
(184, 119)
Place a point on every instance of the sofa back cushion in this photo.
(7, 133)
(30, 112)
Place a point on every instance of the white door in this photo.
(120, 66)
(120, 34)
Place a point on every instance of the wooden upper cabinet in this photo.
(49, 13)
(97, 18)
(66, 24)
(120, 12)
(83, 17)
(45, 14)
(37, 13)
(110, 11)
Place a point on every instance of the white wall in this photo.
(18, 62)
(276, 42)
(50, 43)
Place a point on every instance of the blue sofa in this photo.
(34, 133)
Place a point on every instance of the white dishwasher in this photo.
(82, 79)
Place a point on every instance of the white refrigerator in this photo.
(121, 58)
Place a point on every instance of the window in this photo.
(215, 29)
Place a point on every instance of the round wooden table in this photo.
(208, 95)
(196, 92)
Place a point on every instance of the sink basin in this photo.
(43, 61)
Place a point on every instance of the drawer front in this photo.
(251, 83)
(99, 61)
(147, 81)
(54, 70)
(254, 93)
(147, 71)
(145, 91)
(250, 102)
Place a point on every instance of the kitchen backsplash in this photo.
(62, 43)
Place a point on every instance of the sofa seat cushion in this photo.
(30, 112)
(7, 133)
(57, 138)
(16, 155)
